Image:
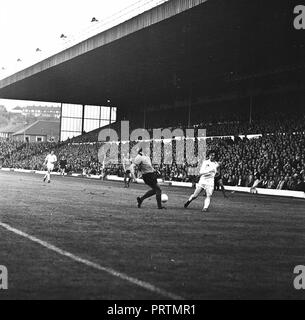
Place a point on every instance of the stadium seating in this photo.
(276, 157)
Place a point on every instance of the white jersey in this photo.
(50, 160)
(208, 172)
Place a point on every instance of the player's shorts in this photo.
(128, 172)
(208, 187)
(50, 167)
(150, 179)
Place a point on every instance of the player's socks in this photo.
(49, 177)
(186, 205)
(207, 202)
(159, 201)
(191, 199)
(139, 200)
(45, 178)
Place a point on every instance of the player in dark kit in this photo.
(149, 176)
(63, 166)
(219, 183)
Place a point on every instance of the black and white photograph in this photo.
(152, 151)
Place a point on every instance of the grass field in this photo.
(83, 239)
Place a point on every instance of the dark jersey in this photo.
(63, 164)
(218, 177)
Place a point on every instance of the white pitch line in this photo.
(139, 283)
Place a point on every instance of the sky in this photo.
(26, 25)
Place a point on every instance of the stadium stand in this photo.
(276, 157)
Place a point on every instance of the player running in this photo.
(207, 175)
(127, 173)
(50, 161)
(143, 163)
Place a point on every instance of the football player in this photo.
(206, 182)
(50, 161)
(149, 175)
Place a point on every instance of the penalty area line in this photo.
(142, 284)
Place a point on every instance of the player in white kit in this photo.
(207, 177)
(50, 161)
(127, 173)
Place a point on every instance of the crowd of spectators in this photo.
(271, 123)
(275, 159)
(31, 156)
(8, 147)
(277, 123)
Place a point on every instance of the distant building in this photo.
(39, 131)
(17, 110)
(38, 111)
(7, 132)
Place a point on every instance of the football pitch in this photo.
(84, 239)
